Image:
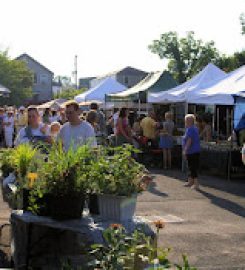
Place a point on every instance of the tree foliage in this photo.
(17, 78)
(186, 55)
(242, 20)
(65, 81)
(232, 62)
(70, 93)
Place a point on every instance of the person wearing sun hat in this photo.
(21, 119)
(8, 123)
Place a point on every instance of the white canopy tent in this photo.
(185, 91)
(107, 86)
(4, 90)
(221, 92)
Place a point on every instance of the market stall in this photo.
(222, 158)
(107, 86)
(137, 95)
(179, 97)
(4, 91)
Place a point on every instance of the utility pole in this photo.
(75, 72)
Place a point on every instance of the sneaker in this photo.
(189, 184)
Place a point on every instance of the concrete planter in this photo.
(117, 208)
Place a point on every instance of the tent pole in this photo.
(218, 122)
(186, 108)
(227, 122)
(213, 118)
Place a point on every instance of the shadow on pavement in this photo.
(224, 203)
(152, 189)
(235, 186)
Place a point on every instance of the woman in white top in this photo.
(35, 130)
(8, 123)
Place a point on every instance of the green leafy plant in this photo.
(123, 251)
(62, 174)
(7, 165)
(117, 174)
(120, 249)
(23, 157)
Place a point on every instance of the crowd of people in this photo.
(74, 128)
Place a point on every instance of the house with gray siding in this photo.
(85, 82)
(128, 76)
(42, 79)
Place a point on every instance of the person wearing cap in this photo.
(21, 119)
(8, 123)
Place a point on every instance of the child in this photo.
(54, 130)
(51, 130)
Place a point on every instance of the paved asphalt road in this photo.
(212, 231)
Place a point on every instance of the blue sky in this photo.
(111, 34)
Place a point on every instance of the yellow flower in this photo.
(32, 177)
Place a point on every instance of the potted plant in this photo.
(118, 180)
(7, 161)
(19, 161)
(63, 181)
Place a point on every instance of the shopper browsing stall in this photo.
(35, 131)
(149, 125)
(8, 123)
(191, 150)
(76, 132)
(166, 140)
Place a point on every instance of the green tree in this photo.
(242, 20)
(186, 55)
(232, 62)
(17, 78)
(65, 81)
(70, 93)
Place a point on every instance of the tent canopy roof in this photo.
(222, 91)
(4, 90)
(182, 92)
(107, 86)
(53, 104)
(154, 82)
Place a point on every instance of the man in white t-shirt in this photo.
(76, 132)
(35, 130)
(8, 123)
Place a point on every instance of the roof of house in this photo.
(28, 56)
(129, 71)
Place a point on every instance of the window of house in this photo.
(43, 79)
(126, 80)
(35, 78)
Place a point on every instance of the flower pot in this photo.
(65, 206)
(93, 204)
(117, 208)
(25, 199)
